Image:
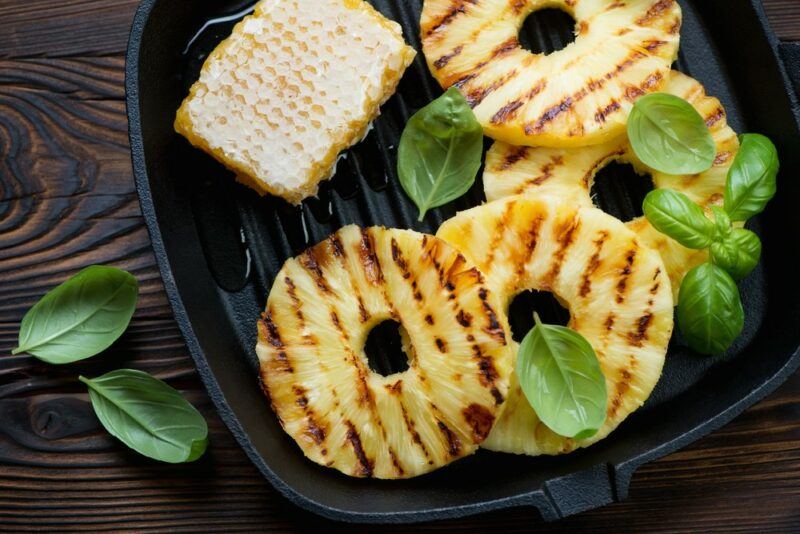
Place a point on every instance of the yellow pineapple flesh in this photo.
(568, 174)
(616, 291)
(577, 96)
(311, 348)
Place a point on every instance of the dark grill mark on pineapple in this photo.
(363, 315)
(603, 114)
(415, 437)
(493, 328)
(429, 319)
(615, 5)
(513, 156)
(498, 234)
(396, 463)
(270, 331)
(479, 94)
(489, 374)
(457, 8)
(653, 45)
(622, 284)
(715, 116)
(632, 93)
(593, 265)
(507, 112)
(453, 443)
(395, 389)
(464, 318)
(722, 157)
(460, 82)
(441, 345)
(480, 421)
(655, 12)
(620, 389)
(545, 173)
(337, 323)
(365, 465)
(505, 47)
(549, 115)
(297, 305)
(498, 397)
(369, 260)
(609, 323)
(565, 237)
(314, 264)
(532, 239)
(638, 337)
(336, 246)
(313, 428)
(445, 59)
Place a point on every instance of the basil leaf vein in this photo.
(710, 313)
(440, 152)
(752, 177)
(669, 135)
(81, 317)
(560, 375)
(675, 215)
(738, 253)
(148, 416)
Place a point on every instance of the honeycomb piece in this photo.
(296, 83)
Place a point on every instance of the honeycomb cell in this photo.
(296, 83)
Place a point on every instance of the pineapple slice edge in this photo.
(316, 375)
(578, 96)
(617, 292)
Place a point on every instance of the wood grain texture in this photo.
(67, 200)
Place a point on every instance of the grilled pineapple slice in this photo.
(616, 290)
(569, 174)
(294, 85)
(311, 348)
(578, 96)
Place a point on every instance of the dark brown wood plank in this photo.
(67, 200)
(784, 15)
(53, 28)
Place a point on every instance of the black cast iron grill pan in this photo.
(219, 245)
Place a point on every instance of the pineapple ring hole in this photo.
(385, 350)
(548, 305)
(548, 30)
(618, 190)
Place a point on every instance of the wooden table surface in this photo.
(67, 200)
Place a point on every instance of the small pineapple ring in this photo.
(311, 349)
(616, 290)
(569, 174)
(577, 96)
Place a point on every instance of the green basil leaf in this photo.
(675, 215)
(148, 416)
(752, 177)
(710, 314)
(80, 318)
(738, 253)
(561, 377)
(440, 152)
(669, 135)
(722, 223)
